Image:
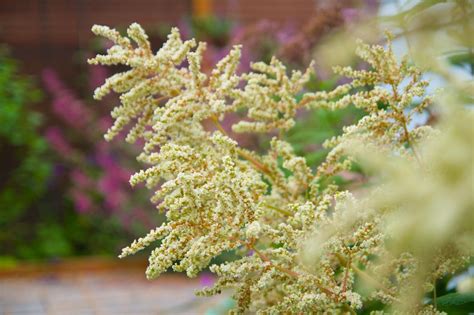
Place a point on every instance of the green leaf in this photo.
(456, 303)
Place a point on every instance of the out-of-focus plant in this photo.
(297, 48)
(35, 221)
(437, 28)
(211, 29)
(96, 171)
(313, 127)
(24, 164)
(306, 244)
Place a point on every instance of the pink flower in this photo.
(105, 123)
(82, 202)
(70, 109)
(97, 76)
(81, 180)
(58, 142)
(143, 217)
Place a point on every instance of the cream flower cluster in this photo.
(210, 197)
(269, 96)
(386, 92)
(303, 243)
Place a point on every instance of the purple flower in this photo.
(97, 76)
(80, 179)
(58, 142)
(65, 105)
(82, 202)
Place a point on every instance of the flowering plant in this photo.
(305, 245)
(25, 167)
(96, 171)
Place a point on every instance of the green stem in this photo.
(282, 211)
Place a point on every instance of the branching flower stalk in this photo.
(304, 243)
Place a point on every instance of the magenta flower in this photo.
(82, 202)
(58, 142)
(65, 105)
(80, 179)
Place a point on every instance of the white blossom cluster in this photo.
(303, 244)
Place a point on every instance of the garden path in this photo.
(101, 293)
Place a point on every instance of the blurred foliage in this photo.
(25, 168)
(437, 28)
(456, 303)
(35, 221)
(94, 173)
(53, 230)
(211, 29)
(438, 36)
(315, 126)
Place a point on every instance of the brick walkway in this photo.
(105, 292)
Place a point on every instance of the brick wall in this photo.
(49, 32)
